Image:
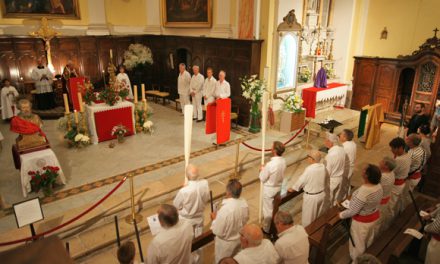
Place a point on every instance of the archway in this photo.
(404, 91)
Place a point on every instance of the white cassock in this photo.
(337, 165)
(293, 245)
(9, 107)
(350, 149)
(196, 86)
(313, 182)
(42, 85)
(209, 90)
(232, 216)
(433, 250)
(401, 171)
(222, 89)
(172, 245)
(122, 77)
(183, 82)
(387, 183)
(190, 201)
(272, 177)
(264, 253)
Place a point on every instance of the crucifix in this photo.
(46, 33)
(435, 32)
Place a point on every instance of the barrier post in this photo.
(133, 217)
(237, 154)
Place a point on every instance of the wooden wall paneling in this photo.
(363, 83)
(384, 85)
(89, 60)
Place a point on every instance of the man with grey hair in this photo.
(293, 241)
(173, 243)
(386, 167)
(191, 200)
(222, 88)
(183, 82)
(313, 181)
(255, 249)
(228, 221)
(346, 139)
(196, 91)
(337, 165)
(418, 160)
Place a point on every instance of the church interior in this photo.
(277, 131)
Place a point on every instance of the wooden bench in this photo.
(202, 240)
(389, 246)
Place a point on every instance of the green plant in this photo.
(44, 179)
(252, 88)
(304, 76)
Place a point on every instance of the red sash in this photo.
(436, 236)
(385, 200)
(416, 175)
(367, 218)
(21, 126)
(399, 181)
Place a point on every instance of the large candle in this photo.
(66, 103)
(75, 114)
(145, 104)
(143, 91)
(111, 54)
(135, 88)
(80, 101)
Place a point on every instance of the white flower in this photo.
(148, 124)
(78, 137)
(85, 139)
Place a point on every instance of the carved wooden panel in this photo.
(384, 89)
(364, 75)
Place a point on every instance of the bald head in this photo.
(251, 236)
(315, 156)
(192, 172)
(228, 260)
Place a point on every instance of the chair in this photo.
(235, 110)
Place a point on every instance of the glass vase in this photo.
(255, 125)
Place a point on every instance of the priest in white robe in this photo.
(183, 81)
(191, 200)
(43, 78)
(196, 91)
(209, 87)
(222, 88)
(313, 181)
(228, 221)
(8, 100)
(123, 81)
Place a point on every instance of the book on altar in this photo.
(76, 84)
(218, 119)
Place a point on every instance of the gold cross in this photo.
(435, 32)
(45, 32)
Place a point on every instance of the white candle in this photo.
(66, 103)
(135, 88)
(75, 114)
(80, 101)
(143, 91)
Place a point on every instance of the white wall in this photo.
(284, 6)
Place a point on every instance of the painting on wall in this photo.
(67, 9)
(187, 13)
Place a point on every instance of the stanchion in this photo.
(308, 134)
(133, 217)
(237, 154)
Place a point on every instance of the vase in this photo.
(255, 126)
(121, 138)
(48, 190)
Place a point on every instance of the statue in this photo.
(28, 126)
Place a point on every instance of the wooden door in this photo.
(363, 82)
(384, 86)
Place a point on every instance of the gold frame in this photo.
(165, 23)
(75, 16)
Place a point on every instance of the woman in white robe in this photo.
(8, 97)
(122, 77)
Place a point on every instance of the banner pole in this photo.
(263, 141)
(188, 115)
(133, 217)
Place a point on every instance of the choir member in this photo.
(123, 81)
(8, 100)
(43, 83)
(209, 87)
(196, 91)
(222, 88)
(386, 167)
(346, 138)
(183, 82)
(433, 228)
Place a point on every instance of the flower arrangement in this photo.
(252, 88)
(304, 76)
(293, 103)
(90, 96)
(122, 89)
(44, 179)
(77, 139)
(109, 96)
(119, 131)
(137, 56)
(148, 127)
(330, 72)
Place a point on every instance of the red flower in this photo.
(31, 173)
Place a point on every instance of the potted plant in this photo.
(44, 179)
(119, 131)
(77, 139)
(293, 114)
(253, 89)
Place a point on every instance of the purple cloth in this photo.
(321, 79)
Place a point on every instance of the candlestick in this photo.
(80, 101)
(103, 77)
(135, 88)
(144, 102)
(143, 91)
(75, 115)
(111, 54)
(66, 103)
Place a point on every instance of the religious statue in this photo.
(28, 126)
(68, 72)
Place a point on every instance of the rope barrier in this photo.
(287, 142)
(68, 222)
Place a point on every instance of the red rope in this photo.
(287, 142)
(68, 222)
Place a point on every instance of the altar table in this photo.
(102, 118)
(335, 94)
(36, 161)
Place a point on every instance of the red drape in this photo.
(223, 120)
(21, 126)
(106, 120)
(210, 118)
(309, 97)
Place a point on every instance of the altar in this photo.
(322, 98)
(102, 118)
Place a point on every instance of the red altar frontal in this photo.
(102, 118)
(315, 98)
(218, 119)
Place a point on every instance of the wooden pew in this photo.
(390, 245)
(202, 240)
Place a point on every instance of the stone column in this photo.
(221, 27)
(154, 13)
(97, 19)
